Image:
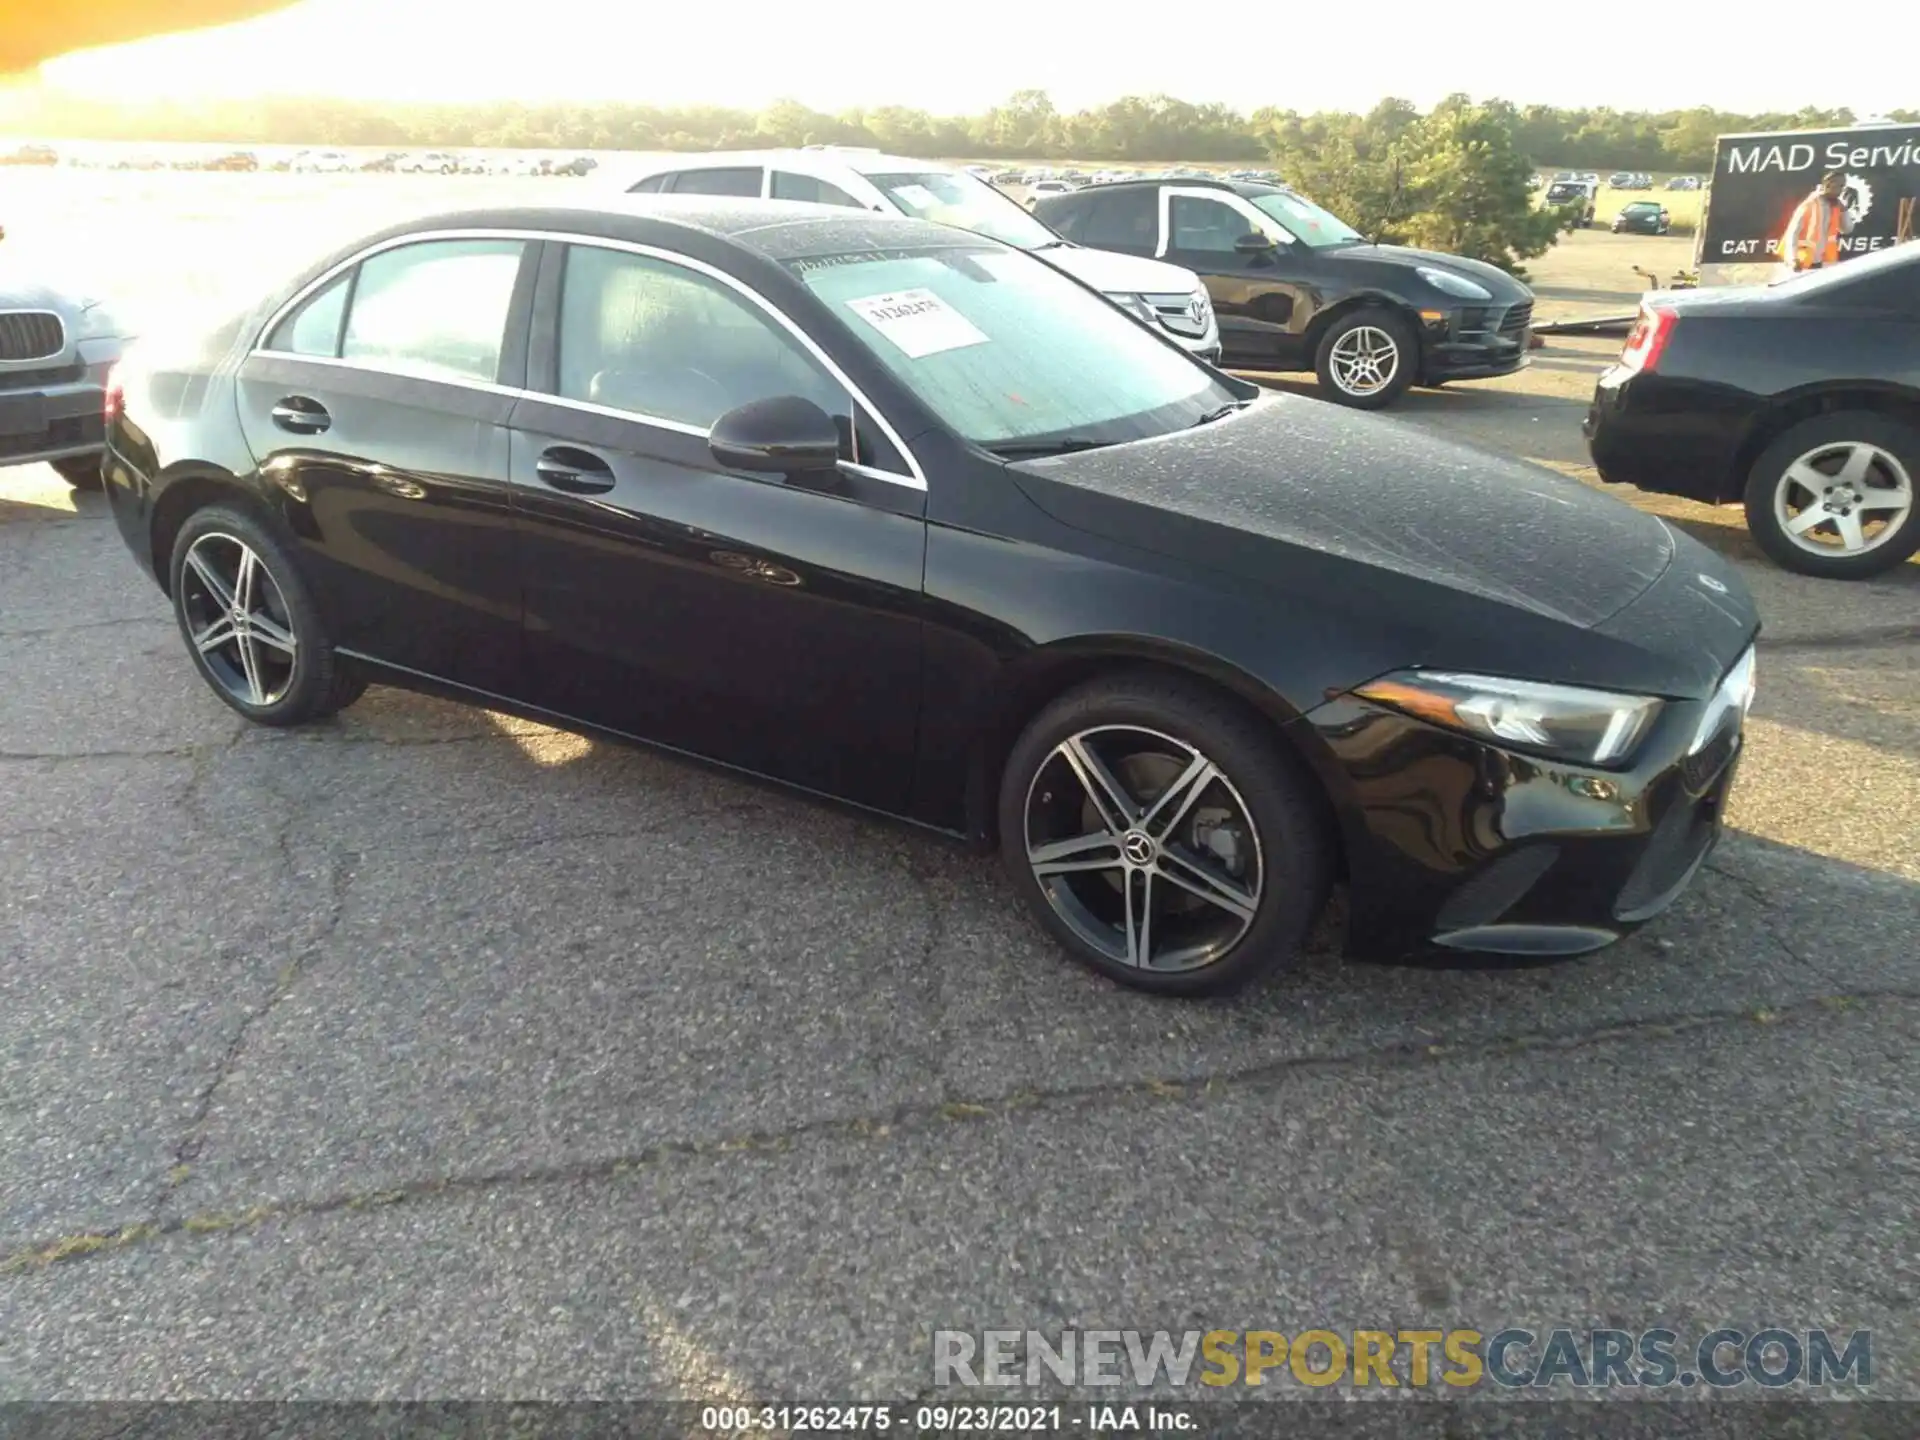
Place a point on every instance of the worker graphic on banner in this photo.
(1812, 237)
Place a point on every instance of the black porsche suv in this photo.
(1298, 289)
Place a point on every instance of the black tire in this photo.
(1823, 441)
(82, 472)
(1381, 321)
(1285, 863)
(314, 683)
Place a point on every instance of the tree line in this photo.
(1136, 129)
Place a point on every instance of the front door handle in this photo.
(301, 415)
(578, 472)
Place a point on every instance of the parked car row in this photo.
(902, 514)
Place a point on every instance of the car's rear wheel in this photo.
(1367, 359)
(250, 623)
(1834, 495)
(1156, 831)
(82, 472)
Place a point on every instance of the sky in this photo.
(1630, 54)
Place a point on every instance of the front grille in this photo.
(42, 375)
(1513, 326)
(30, 334)
(1175, 312)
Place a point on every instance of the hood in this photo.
(1109, 271)
(23, 292)
(1506, 290)
(1366, 490)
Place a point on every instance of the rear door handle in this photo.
(578, 472)
(301, 415)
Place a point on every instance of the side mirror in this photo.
(786, 435)
(1255, 244)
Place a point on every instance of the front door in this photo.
(1260, 302)
(375, 410)
(762, 623)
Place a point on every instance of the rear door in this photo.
(746, 181)
(378, 409)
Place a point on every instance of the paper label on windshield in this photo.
(917, 196)
(917, 322)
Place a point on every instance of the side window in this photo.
(652, 185)
(1069, 218)
(742, 180)
(805, 187)
(1125, 220)
(314, 328)
(1206, 225)
(659, 340)
(437, 308)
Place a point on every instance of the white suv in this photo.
(1166, 296)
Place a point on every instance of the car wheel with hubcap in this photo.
(1834, 496)
(82, 472)
(1160, 833)
(250, 624)
(1366, 359)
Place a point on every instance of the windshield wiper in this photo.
(1052, 245)
(1232, 407)
(1033, 450)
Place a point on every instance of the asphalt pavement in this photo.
(427, 1053)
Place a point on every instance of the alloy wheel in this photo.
(1844, 497)
(1364, 360)
(1143, 848)
(237, 620)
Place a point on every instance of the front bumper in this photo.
(1475, 342)
(1457, 845)
(51, 409)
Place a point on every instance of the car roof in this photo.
(1246, 188)
(777, 230)
(824, 163)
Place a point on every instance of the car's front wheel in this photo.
(1834, 495)
(1367, 359)
(250, 624)
(1160, 835)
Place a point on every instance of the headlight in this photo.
(1591, 727)
(1134, 305)
(97, 322)
(1448, 283)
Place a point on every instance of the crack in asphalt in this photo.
(907, 1118)
(187, 1149)
(42, 632)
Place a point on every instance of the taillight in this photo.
(113, 398)
(1647, 338)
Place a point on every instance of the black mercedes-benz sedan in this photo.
(1297, 288)
(1799, 399)
(898, 515)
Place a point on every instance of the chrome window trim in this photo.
(915, 480)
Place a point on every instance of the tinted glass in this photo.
(1124, 220)
(1881, 279)
(652, 185)
(313, 329)
(959, 199)
(805, 187)
(438, 308)
(1207, 226)
(1005, 348)
(744, 181)
(654, 339)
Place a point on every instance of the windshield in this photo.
(1306, 221)
(1010, 353)
(957, 198)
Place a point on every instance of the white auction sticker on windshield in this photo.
(917, 322)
